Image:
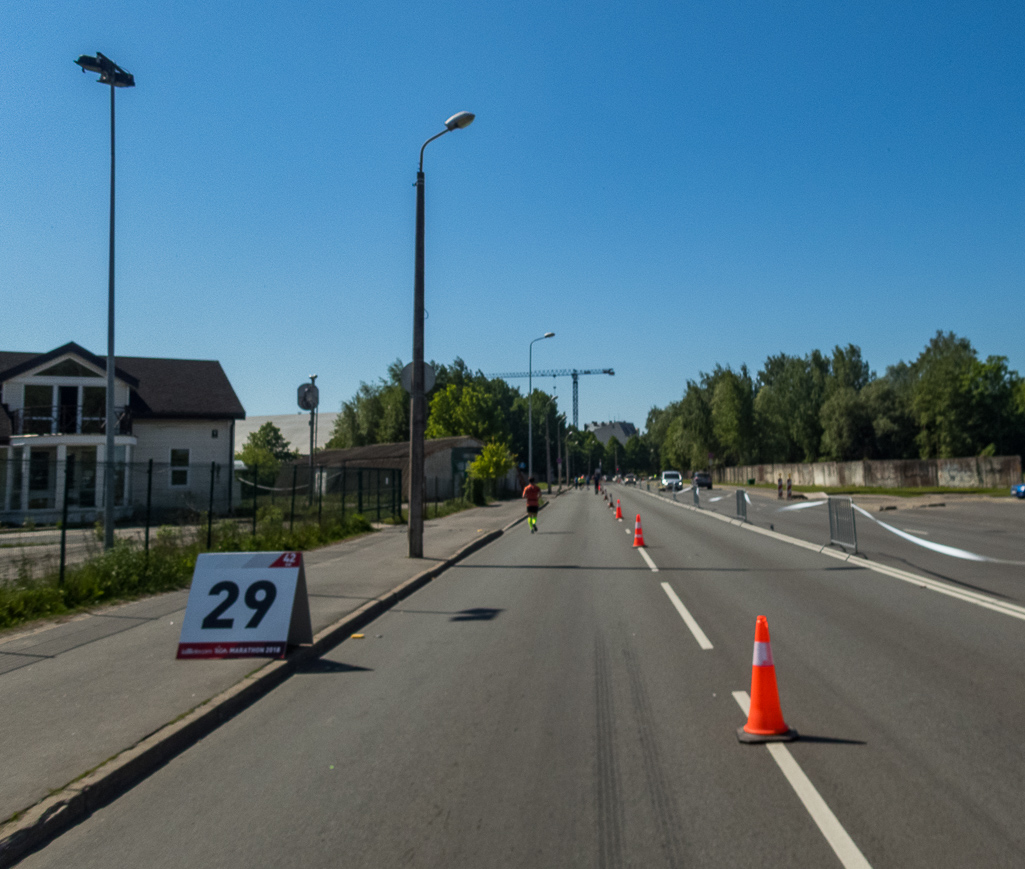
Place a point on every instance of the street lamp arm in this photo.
(428, 142)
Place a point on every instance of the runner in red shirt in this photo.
(532, 493)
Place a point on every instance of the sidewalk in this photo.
(78, 692)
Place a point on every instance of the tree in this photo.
(941, 399)
(266, 448)
(377, 413)
(466, 411)
(493, 463)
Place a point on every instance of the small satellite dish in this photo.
(407, 378)
(308, 396)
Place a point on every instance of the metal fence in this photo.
(742, 505)
(375, 493)
(842, 530)
(39, 489)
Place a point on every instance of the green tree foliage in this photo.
(493, 463)
(266, 448)
(377, 414)
(946, 403)
(470, 411)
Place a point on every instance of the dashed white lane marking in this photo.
(841, 843)
(688, 619)
(647, 558)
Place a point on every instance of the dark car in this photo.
(702, 479)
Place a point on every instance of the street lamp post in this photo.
(417, 408)
(116, 77)
(530, 402)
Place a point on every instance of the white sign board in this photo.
(246, 605)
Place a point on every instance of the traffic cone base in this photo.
(765, 718)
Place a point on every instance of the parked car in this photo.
(1018, 491)
(671, 481)
(630, 479)
(702, 479)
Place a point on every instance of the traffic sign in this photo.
(246, 605)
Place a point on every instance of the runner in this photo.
(597, 480)
(532, 493)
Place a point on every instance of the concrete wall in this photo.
(984, 471)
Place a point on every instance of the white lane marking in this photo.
(646, 557)
(916, 531)
(803, 506)
(979, 599)
(713, 500)
(841, 843)
(688, 619)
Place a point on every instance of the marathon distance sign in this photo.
(246, 605)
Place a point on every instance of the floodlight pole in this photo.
(113, 75)
(417, 399)
(530, 403)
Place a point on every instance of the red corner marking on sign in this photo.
(288, 559)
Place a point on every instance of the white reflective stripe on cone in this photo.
(763, 655)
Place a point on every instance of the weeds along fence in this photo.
(51, 512)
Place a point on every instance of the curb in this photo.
(50, 817)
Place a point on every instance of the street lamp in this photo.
(530, 402)
(417, 409)
(116, 77)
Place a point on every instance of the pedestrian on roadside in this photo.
(597, 479)
(533, 494)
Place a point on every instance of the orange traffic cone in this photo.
(765, 719)
(638, 532)
(619, 511)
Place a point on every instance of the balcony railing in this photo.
(69, 419)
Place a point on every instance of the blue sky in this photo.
(666, 186)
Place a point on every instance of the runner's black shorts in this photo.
(532, 510)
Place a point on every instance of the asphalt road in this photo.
(544, 704)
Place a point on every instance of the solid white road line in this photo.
(977, 598)
(688, 619)
(841, 843)
(647, 558)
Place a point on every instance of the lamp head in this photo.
(110, 72)
(549, 334)
(459, 120)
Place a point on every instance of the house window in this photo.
(179, 467)
(213, 433)
(38, 409)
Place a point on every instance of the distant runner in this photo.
(597, 480)
(532, 493)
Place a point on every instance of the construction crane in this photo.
(561, 372)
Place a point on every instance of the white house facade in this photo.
(173, 445)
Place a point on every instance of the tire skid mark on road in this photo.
(659, 788)
(609, 804)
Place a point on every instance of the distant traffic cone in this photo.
(619, 511)
(765, 719)
(638, 532)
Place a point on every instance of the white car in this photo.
(671, 480)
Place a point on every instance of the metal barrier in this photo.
(697, 500)
(741, 505)
(842, 530)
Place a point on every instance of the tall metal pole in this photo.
(530, 410)
(417, 409)
(417, 417)
(108, 477)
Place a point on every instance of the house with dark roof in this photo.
(174, 441)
